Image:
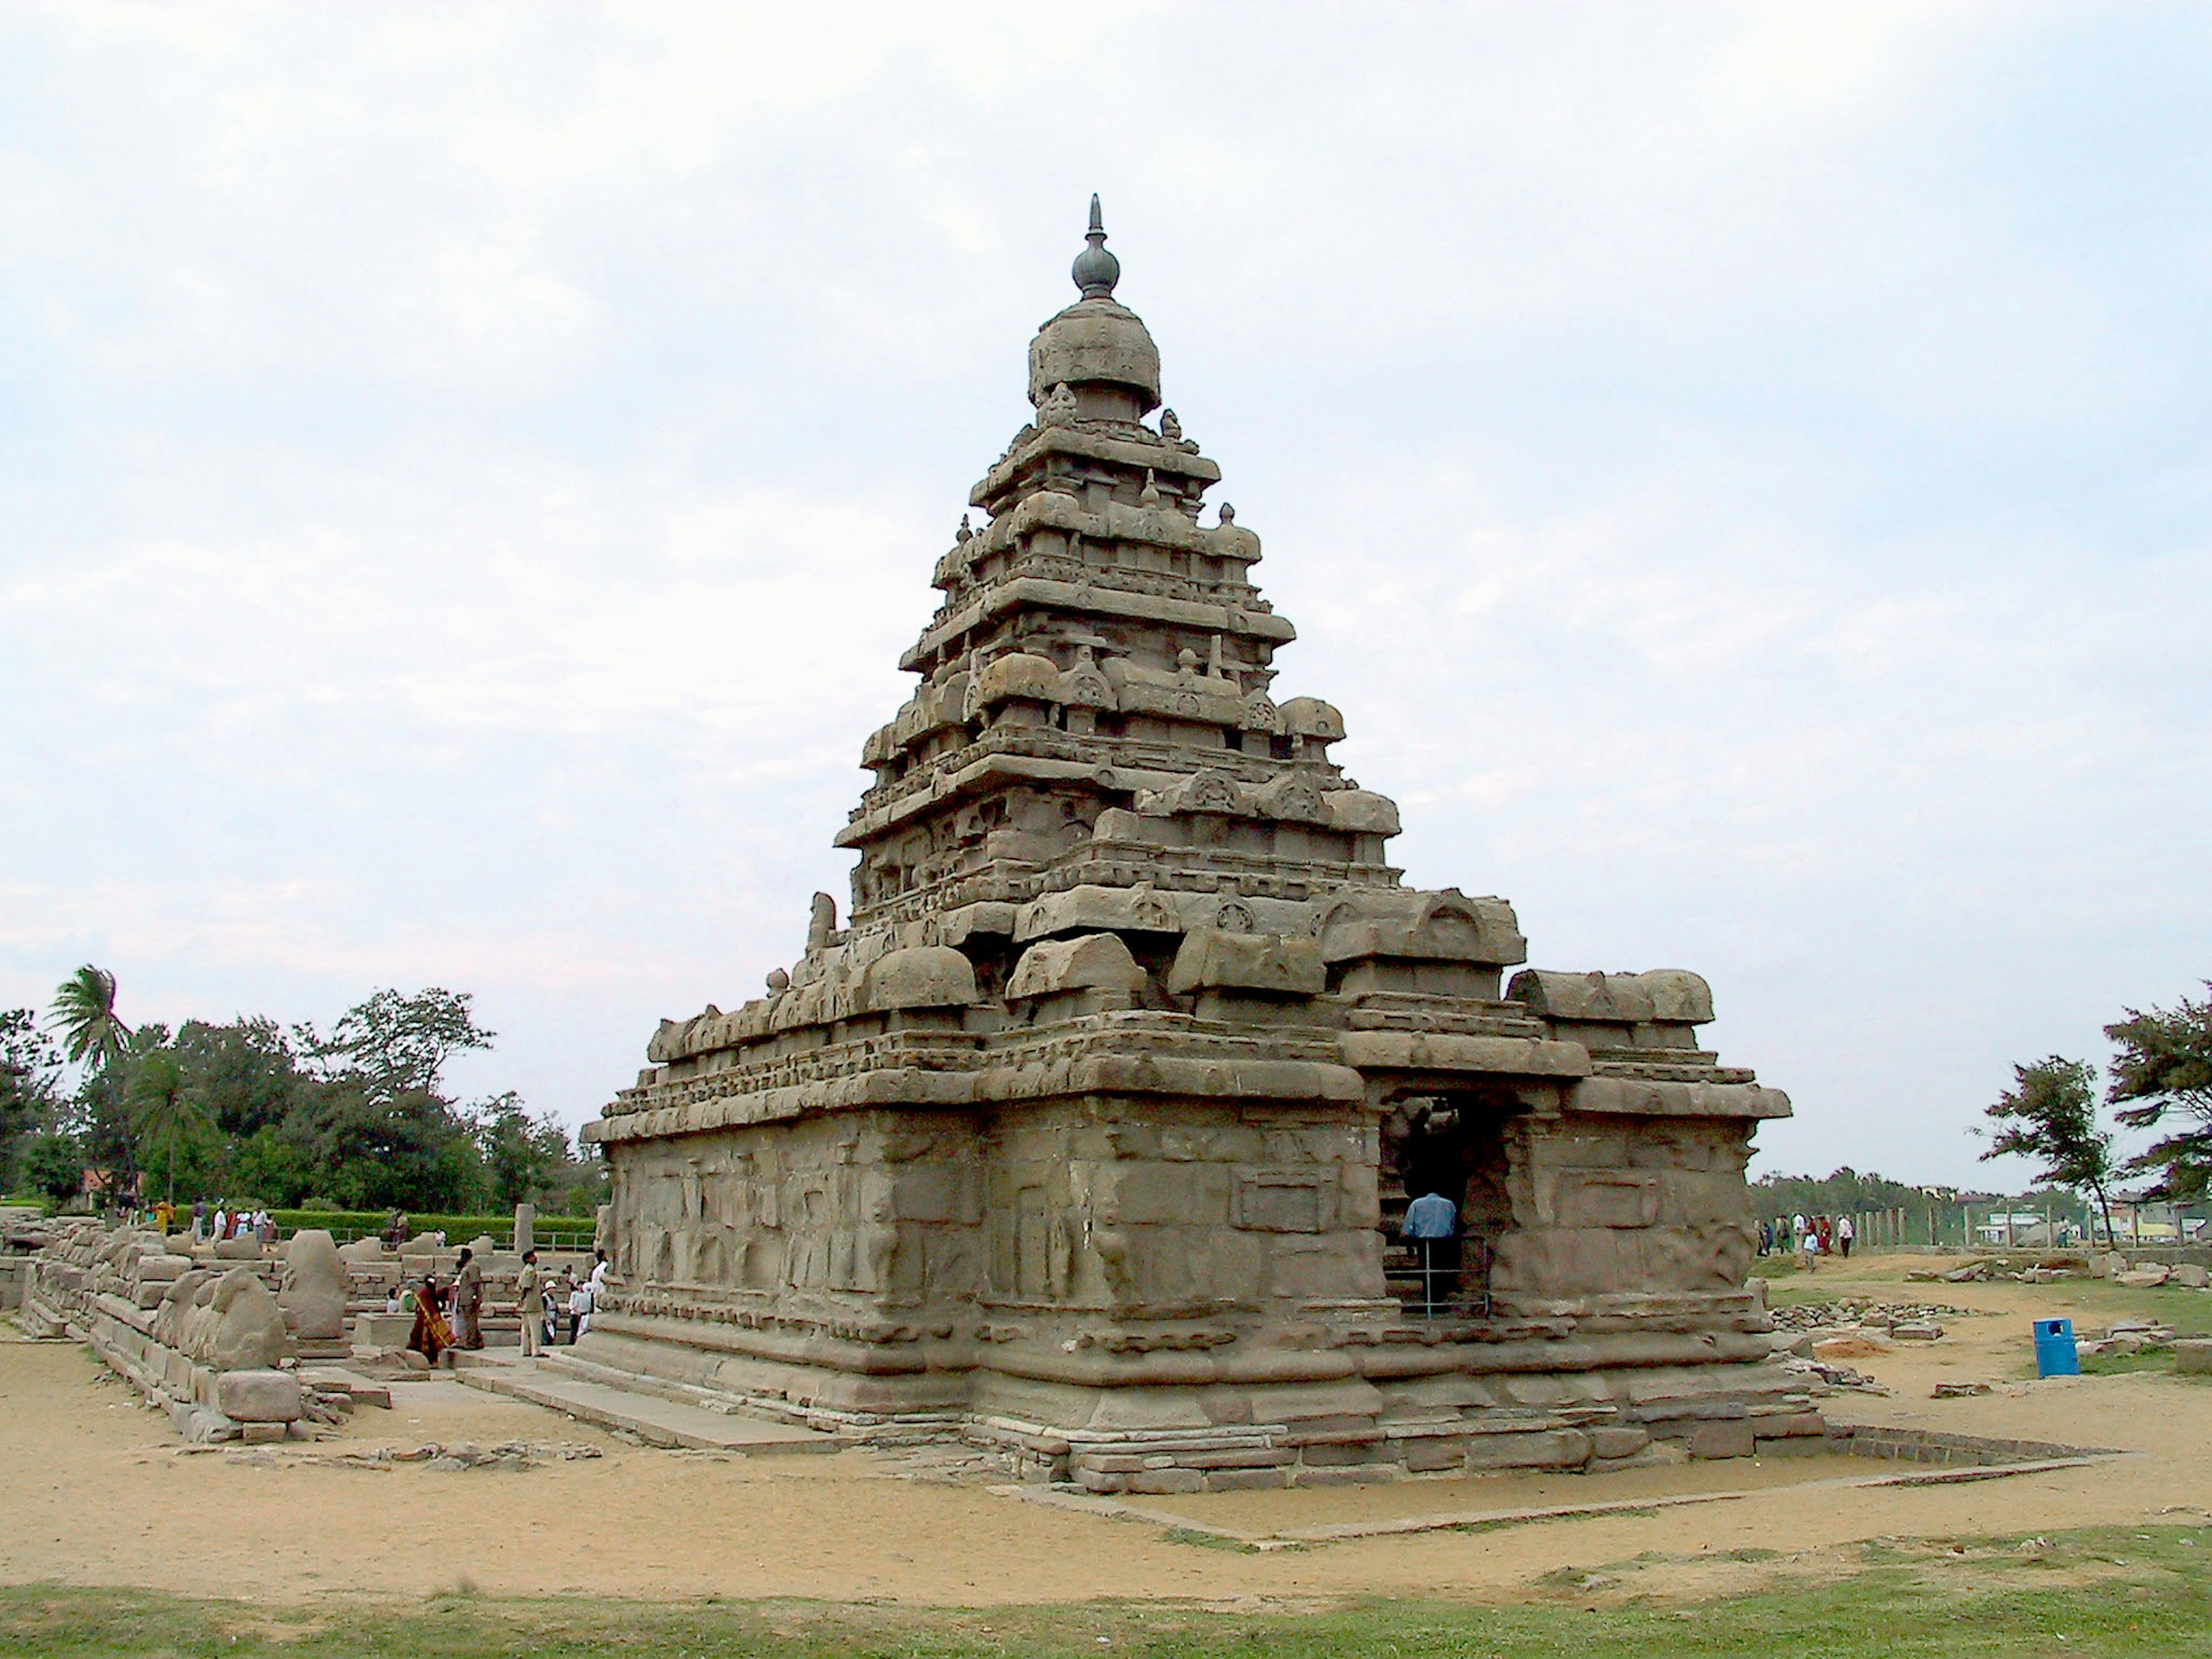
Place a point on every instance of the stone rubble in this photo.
(1861, 1313)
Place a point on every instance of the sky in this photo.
(467, 474)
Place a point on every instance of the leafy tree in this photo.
(2050, 1113)
(395, 1045)
(54, 1165)
(370, 1153)
(271, 1163)
(523, 1156)
(244, 1074)
(29, 1069)
(162, 1104)
(2164, 1066)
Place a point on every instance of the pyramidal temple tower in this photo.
(1093, 1132)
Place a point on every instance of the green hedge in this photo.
(574, 1232)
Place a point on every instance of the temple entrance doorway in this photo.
(1452, 1147)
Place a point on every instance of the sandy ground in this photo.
(96, 1492)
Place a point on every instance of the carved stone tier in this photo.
(1093, 1134)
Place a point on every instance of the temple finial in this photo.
(1095, 271)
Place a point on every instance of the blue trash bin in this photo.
(2055, 1353)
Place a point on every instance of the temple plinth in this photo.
(1092, 1133)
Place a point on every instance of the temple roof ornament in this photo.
(1095, 271)
(1097, 347)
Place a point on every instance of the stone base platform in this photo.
(1960, 1457)
(1186, 1421)
(656, 1420)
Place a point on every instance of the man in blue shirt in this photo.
(1431, 1216)
(1430, 1220)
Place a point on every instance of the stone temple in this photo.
(1091, 1134)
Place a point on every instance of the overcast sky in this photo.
(466, 476)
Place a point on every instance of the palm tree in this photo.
(161, 1105)
(95, 1038)
(84, 1007)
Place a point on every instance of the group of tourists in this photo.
(212, 1224)
(539, 1304)
(1807, 1238)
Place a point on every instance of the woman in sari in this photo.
(432, 1336)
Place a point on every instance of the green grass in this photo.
(2119, 1364)
(2114, 1593)
(1209, 1540)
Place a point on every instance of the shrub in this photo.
(574, 1232)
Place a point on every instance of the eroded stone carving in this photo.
(1101, 1114)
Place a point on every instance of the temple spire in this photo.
(1095, 271)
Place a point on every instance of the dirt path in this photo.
(96, 1492)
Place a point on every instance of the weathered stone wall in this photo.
(1164, 1207)
(833, 1213)
(1607, 1206)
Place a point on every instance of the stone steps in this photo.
(656, 1421)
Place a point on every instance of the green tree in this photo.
(2049, 1114)
(371, 1153)
(95, 1038)
(93, 1034)
(273, 1164)
(162, 1105)
(377, 1126)
(244, 1074)
(395, 1045)
(30, 1068)
(54, 1164)
(525, 1158)
(2164, 1071)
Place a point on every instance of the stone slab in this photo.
(656, 1421)
(256, 1396)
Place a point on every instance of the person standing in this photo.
(468, 1302)
(1845, 1234)
(580, 1302)
(430, 1337)
(199, 1220)
(222, 1224)
(1808, 1250)
(564, 1288)
(529, 1304)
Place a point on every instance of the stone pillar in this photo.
(526, 1223)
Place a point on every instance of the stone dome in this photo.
(1097, 341)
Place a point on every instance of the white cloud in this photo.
(470, 474)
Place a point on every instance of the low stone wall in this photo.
(205, 1340)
